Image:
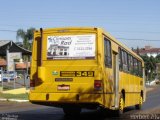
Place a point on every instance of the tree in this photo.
(153, 67)
(138, 51)
(26, 36)
(132, 49)
(146, 62)
(158, 58)
(150, 66)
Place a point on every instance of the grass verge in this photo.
(14, 96)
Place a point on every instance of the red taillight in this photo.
(98, 84)
(32, 83)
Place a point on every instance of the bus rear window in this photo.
(71, 47)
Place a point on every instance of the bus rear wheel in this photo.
(120, 111)
(71, 110)
(139, 106)
(121, 105)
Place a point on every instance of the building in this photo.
(56, 50)
(148, 50)
(8, 46)
(3, 62)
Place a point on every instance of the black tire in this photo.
(71, 110)
(106, 112)
(139, 106)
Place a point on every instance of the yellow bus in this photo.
(84, 67)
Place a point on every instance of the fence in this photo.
(14, 79)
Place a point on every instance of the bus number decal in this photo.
(77, 73)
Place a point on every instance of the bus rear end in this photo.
(65, 69)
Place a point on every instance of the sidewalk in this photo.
(151, 87)
(16, 91)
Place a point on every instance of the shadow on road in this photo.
(85, 115)
(99, 115)
(50, 113)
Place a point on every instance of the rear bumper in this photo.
(65, 98)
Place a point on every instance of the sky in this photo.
(135, 23)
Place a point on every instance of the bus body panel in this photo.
(52, 77)
(62, 81)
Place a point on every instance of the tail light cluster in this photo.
(98, 84)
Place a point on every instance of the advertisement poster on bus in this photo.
(71, 47)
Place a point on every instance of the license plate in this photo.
(63, 87)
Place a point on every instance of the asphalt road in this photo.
(28, 111)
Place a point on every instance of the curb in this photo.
(13, 100)
(3, 99)
(16, 100)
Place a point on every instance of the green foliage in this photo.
(150, 66)
(158, 58)
(26, 36)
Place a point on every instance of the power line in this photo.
(3, 30)
(137, 39)
(136, 32)
(8, 30)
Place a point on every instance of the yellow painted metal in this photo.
(45, 76)
(121, 104)
(41, 73)
(66, 97)
(141, 100)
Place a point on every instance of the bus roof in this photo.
(64, 29)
